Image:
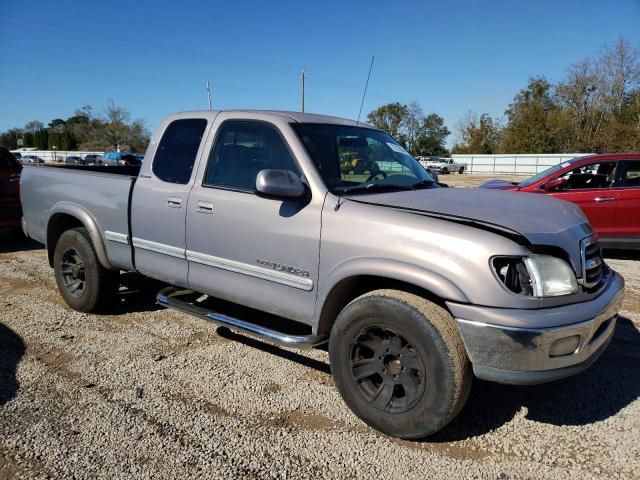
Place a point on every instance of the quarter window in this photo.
(177, 150)
(242, 150)
(632, 175)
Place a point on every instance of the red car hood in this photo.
(499, 185)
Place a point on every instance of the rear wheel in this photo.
(83, 282)
(461, 171)
(399, 363)
(445, 171)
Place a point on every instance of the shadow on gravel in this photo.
(139, 295)
(11, 350)
(601, 391)
(622, 254)
(13, 242)
(274, 350)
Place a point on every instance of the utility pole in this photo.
(209, 94)
(302, 90)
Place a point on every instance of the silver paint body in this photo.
(286, 257)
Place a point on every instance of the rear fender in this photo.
(86, 219)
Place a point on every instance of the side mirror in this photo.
(279, 184)
(555, 183)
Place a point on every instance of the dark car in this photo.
(10, 211)
(17, 155)
(31, 159)
(606, 187)
(93, 159)
(74, 160)
(129, 159)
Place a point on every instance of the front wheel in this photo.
(83, 282)
(399, 363)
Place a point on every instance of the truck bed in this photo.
(101, 192)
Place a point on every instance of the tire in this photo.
(83, 282)
(461, 171)
(399, 363)
(445, 171)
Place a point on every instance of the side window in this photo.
(589, 176)
(242, 149)
(177, 150)
(632, 175)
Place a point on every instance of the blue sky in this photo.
(154, 57)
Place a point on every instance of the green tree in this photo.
(390, 118)
(532, 120)
(419, 134)
(432, 139)
(41, 139)
(478, 134)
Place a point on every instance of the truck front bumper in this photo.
(504, 346)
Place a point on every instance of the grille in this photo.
(592, 263)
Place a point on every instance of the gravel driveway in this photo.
(150, 393)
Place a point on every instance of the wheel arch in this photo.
(351, 279)
(66, 215)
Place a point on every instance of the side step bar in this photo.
(168, 297)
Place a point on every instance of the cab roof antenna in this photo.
(364, 94)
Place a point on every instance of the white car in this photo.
(446, 165)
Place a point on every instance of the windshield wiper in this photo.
(374, 187)
(422, 184)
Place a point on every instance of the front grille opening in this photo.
(594, 267)
(513, 274)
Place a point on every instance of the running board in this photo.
(168, 297)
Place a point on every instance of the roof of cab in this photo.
(298, 117)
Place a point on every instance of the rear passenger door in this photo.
(256, 251)
(159, 202)
(627, 218)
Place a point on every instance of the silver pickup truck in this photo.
(415, 287)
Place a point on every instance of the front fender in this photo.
(391, 269)
(87, 220)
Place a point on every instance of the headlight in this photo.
(550, 276)
(536, 275)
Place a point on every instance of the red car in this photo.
(10, 210)
(607, 188)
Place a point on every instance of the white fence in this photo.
(54, 155)
(513, 164)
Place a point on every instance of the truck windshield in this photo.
(354, 160)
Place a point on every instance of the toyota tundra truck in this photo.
(416, 288)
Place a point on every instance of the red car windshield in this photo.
(549, 171)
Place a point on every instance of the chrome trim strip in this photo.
(167, 297)
(159, 248)
(251, 270)
(116, 237)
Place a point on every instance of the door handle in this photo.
(604, 199)
(174, 202)
(204, 207)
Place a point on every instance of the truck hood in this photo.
(540, 219)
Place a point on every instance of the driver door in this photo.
(243, 247)
(591, 186)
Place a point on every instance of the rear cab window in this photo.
(177, 150)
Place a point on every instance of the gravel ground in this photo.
(150, 393)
